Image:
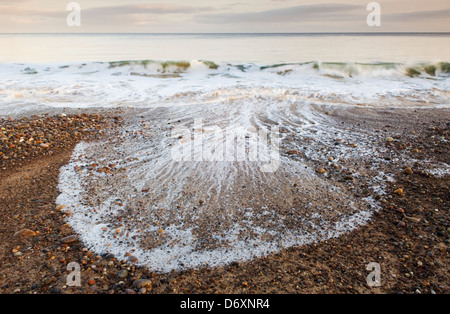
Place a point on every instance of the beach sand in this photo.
(408, 237)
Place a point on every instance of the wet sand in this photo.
(408, 236)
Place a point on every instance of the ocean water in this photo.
(177, 214)
(234, 48)
(45, 70)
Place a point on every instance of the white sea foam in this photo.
(27, 87)
(179, 251)
(246, 213)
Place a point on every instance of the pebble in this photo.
(413, 219)
(408, 170)
(142, 283)
(109, 257)
(69, 239)
(25, 233)
(47, 281)
(133, 259)
(27, 137)
(122, 274)
(60, 207)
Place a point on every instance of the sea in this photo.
(110, 70)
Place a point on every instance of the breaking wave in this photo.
(331, 69)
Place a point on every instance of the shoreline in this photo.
(407, 236)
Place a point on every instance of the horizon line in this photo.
(220, 33)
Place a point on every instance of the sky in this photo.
(221, 16)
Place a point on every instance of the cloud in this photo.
(137, 14)
(248, 16)
(328, 11)
(29, 12)
(418, 15)
(100, 12)
(129, 14)
(157, 8)
(12, 1)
